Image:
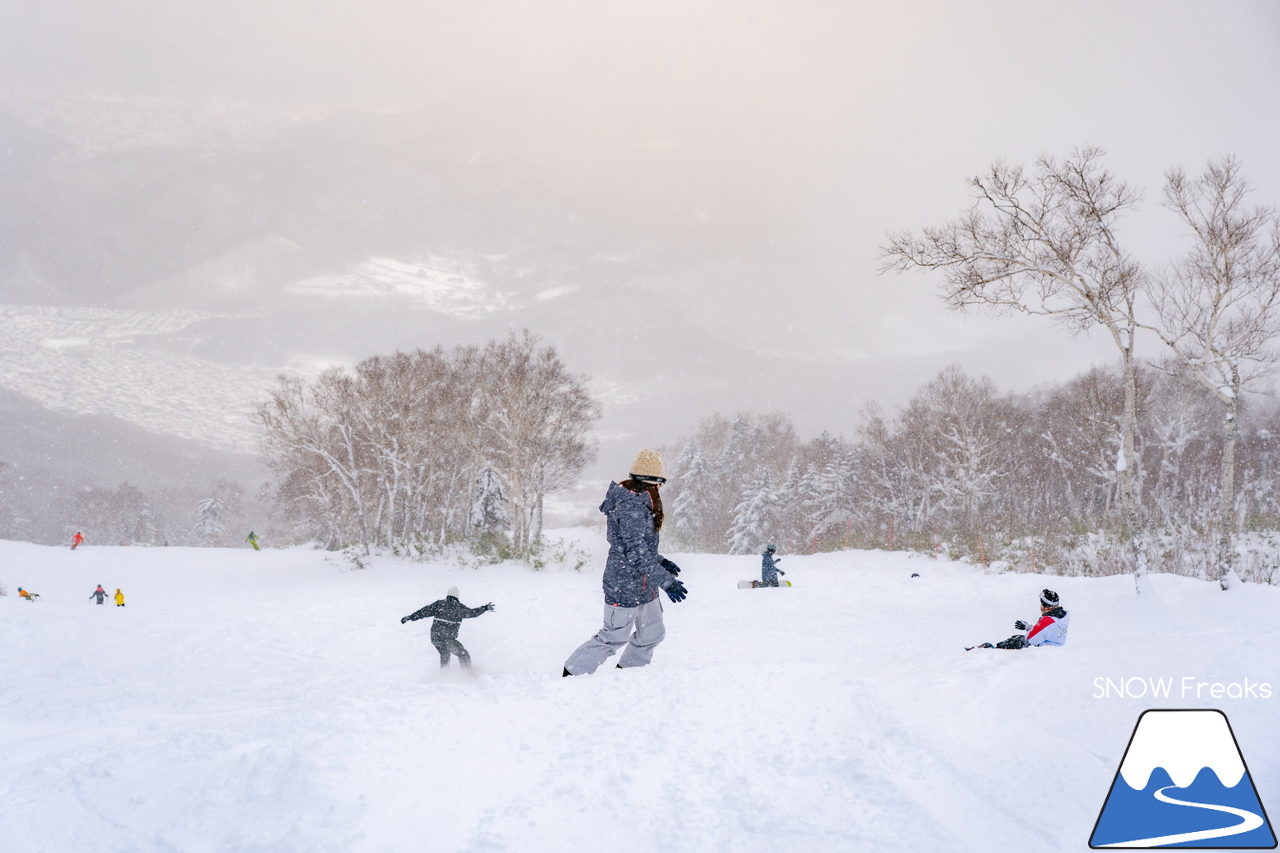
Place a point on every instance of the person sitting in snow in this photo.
(769, 570)
(1050, 630)
(100, 594)
(119, 598)
(448, 613)
(27, 594)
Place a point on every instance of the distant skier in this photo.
(448, 613)
(252, 539)
(100, 594)
(27, 594)
(1049, 630)
(76, 540)
(119, 598)
(633, 573)
(769, 570)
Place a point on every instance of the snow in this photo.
(432, 282)
(272, 701)
(122, 363)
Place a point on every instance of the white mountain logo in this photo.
(1183, 783)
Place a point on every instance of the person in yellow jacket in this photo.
(119, 598)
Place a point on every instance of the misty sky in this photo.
(772, 145)
(794, 132)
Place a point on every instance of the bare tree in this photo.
(387, 455)
(531, 419)
(1045, 243)
(1218, 306)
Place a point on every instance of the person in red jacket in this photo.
(76, 540)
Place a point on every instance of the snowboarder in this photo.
(119, 598)
(1050, 630)
(448, 614)
(76, 540)
(100, 594)
(252, 539)
(633, 573)
(769, 570)
(27, 594)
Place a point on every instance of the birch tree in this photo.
(1217, 307)
(1045, 243)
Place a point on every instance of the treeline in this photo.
(50, 510)
(415, 449)
(963, 461)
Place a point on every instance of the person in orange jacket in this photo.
(119, 598)
(27, 594)
(76, 540)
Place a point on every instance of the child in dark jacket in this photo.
(448, 614)
(769, 570)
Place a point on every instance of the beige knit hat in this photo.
(648, 464)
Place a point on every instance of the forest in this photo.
(1019, 481)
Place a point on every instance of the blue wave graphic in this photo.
(1130, 814)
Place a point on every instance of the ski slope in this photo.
(272, 701)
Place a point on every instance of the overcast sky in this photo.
(793, 135)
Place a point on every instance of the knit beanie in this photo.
(1049, 598)
(453, 591)
(648, 464)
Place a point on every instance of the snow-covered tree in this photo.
(488, 508)
(755, 517)
(1046, 243)
(210, 530)
(691, 505)
(1219, 307)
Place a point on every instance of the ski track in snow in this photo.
(272, 701)
(97, 361)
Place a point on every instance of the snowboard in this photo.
(758, 585)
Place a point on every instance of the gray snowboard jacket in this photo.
(633, 574)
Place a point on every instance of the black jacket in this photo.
(449, 610)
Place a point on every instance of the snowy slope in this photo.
(272, 701)
(98, 361)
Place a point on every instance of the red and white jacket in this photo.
(1051, 630)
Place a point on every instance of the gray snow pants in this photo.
(616, 633)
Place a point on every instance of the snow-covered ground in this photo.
(273, 701)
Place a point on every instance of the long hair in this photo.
(652, 488)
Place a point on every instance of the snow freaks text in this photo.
(1186, 687)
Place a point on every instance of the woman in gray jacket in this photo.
(633, 573)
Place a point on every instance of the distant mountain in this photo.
(166, 285)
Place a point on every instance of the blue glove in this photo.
(676, 592)
(1020, 625)
(670, 566)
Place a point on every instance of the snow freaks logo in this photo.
(1183, 783)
